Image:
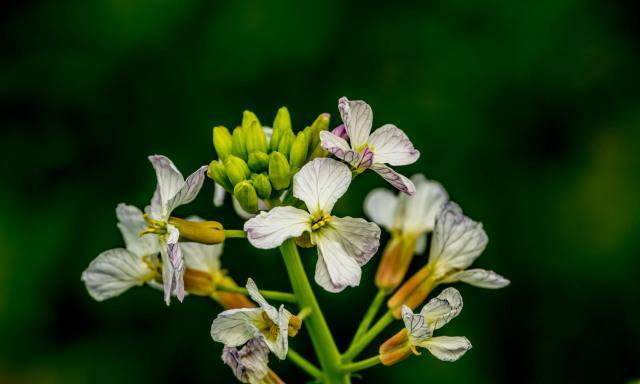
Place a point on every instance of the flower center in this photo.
(361, 149)
(159, 227)
(320, 219)
(269, 329)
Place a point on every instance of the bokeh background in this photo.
(527, 112)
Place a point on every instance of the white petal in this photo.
(380, 205)
(235, 327)
(131, 223)
(249, 364)
(113, 272)
(359, 237)
(188, 191)
(416, 325)
(421, 209)
(392, 146)
(218, 195)
(239, 211)
(336, 145)
(457, 240)
(447, 348)
(441, 309)
(270, 229)
(201, 257)
(336, 269)
(320, 183)
(479, 278)
(280, 345)
(170, 180)
(421, 245)
(172, 266)
(257, 297)
(399, 181)
(358, 119)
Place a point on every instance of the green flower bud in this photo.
(218, 173)
(281, 125)
(298, 151)
(237, 169)
(222, 142)
(256, 139)
(258, 161)
(279, 171)
(262, 186)
(320, 124)
(248, 119)
(239, 145)
(246, 196)
(286, 141)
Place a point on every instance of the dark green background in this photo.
(527, 112)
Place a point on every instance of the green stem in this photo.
(234, 233)
(371, 313)
(273, 295)
(368, 337)
(363, 364)
(304, 364)
(315, 324)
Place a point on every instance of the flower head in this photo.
(387, 145)
(235, 327)
(250, 363)
(344, 244)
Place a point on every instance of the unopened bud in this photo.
(395, 262)
(262, 185)
(198, 282)
(248, 119)
(340, 131)
(256, 139)
(413, 292)
(396, 349)
(295, 323)
(279, 171)
(204, 232)
(222, 142)
(258, 161)
(229, 300)
(286, 141)
(218, 173)
(321, 123)
(246, 196)
(237, 169)
(298, 153)
(281, 125)
(239, 144)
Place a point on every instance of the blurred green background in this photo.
(527, 112)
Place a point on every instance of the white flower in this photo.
(344, 244)
(116, 270)
(235, 327)
(457, 242)
(412, 216)
(250, 363)
(436, 313)
(387, 145)
(171, 192)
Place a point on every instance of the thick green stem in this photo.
(368, 337)
(234, 233)
(363, 364)
(304, 364)
(371, 313)
(315, 324)
(273, 295)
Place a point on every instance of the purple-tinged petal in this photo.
(341, 131)
(399, 181)
(392, 146)
(358, 119)
(189, 190)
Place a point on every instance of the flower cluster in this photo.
(285, 186)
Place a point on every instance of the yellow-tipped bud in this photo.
(204, 232)
(298, 153)
(222, 142)
(237, 169)
(395, 262)
(229, 300)
(218, 173)
(198, 282)
(258, 161)
(286, 141)
(262, 185)
(413, 292)
(239, 144)
(246, 196)
(281, 125)
(279, 171)
(256, 139)
(396, 348)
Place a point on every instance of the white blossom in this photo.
(249, 363)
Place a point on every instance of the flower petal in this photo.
(202, 257)
(335, 144)
(399, 181)
(441, 309)
(457, 240)
(359, 237)
(420, 209)
(479, 278)
(131, 223)
(257, 297)
(189, 190)
(336, 269)
(113, 272)
(172, 266)
(218, 195)
(380, 205)
(280, 345)
(270, 229)
(447, 348)
(249, 364)
(170, 180)
(392, 146)
(358, 119)
(320, 183)
(416, 325)
(235, 327)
